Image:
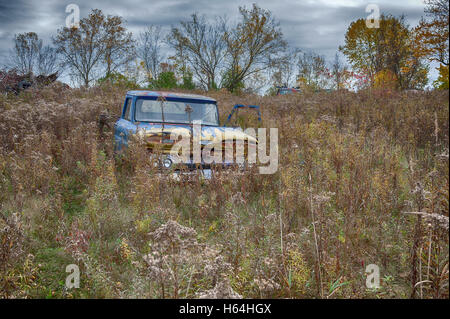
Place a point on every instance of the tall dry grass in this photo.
(352, 166)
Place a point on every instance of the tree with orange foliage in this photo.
(433, 33)
(389, 47)
(385, 79)
(432, 38)
(442, 80)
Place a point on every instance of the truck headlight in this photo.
(167, 163)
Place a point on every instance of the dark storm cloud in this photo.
(322, 29)
(9, 10)
(311, 25)
(11, 15)
(24, 16)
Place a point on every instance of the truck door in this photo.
(124, 126)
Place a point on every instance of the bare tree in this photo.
(339, 72)
(253, 46)
(312, 70)
(119, 45)
(149, 51)
(256, 82)
(30, 57)
(83, 48)
(25, 52)
(48, 61)
(202, 46)
(284, 73)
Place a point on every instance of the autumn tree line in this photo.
(249, 54)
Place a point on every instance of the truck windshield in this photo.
(176, 112)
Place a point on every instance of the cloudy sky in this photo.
(317, 25)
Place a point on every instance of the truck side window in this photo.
(127, 110)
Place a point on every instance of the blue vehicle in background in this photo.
(285, 90)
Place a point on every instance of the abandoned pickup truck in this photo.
(152, 116)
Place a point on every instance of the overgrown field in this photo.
(351, 166)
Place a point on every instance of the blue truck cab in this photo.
(154, 115)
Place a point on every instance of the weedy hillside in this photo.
(363, 179)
